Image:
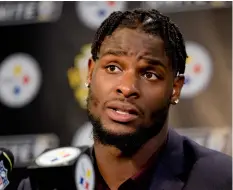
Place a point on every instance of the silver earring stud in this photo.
(87, 85)
(176, 101)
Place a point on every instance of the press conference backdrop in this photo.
(43, 68)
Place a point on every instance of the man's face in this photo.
(131, 88)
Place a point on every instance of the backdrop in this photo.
(43, 67)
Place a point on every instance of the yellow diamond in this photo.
(188, 59)
(17, 70)
(88, 173)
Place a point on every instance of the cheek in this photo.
(104, 82)
(156, 98)
(100, 88)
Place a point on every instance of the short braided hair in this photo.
(151, 22)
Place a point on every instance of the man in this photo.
(135, 74)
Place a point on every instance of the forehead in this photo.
(134, 42)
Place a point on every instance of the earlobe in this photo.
(173, 92)
(177, 87)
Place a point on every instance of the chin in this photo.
(126, 137)
(118, 128)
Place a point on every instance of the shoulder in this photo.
(215, 163)
(25, 185)
(205, 155)
(209, 167)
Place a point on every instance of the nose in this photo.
(128, 86)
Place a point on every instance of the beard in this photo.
(130, 143)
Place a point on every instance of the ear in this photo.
(177, 86)
(91, 65)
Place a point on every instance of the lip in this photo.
(122, 112)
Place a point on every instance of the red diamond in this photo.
(197, 68)
(25, 79)
(111, 3)
(66, 155)
(86, 185)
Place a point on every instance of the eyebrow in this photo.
(153, 61)
(114, 52)
(150, 60)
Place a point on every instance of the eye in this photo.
(150, 76)
(113, 69)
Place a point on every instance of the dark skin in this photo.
(133, 67)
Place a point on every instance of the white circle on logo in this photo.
(84, 173)
(83, 136)
(57, 157)
(198, 70)
(20, 80)
(93, 13)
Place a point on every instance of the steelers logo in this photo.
(84, 173)
(77, 75)
(20, 80)
(93, 13)
(198, 70)
(58, 156)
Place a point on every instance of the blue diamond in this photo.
(187, 80)
(101, 12)
(16, 90)
(81, 180)
(55, 159)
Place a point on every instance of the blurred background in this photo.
(43, 68)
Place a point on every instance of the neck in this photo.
(123, 168)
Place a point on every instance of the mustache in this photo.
(125, 100)
(91, 97)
